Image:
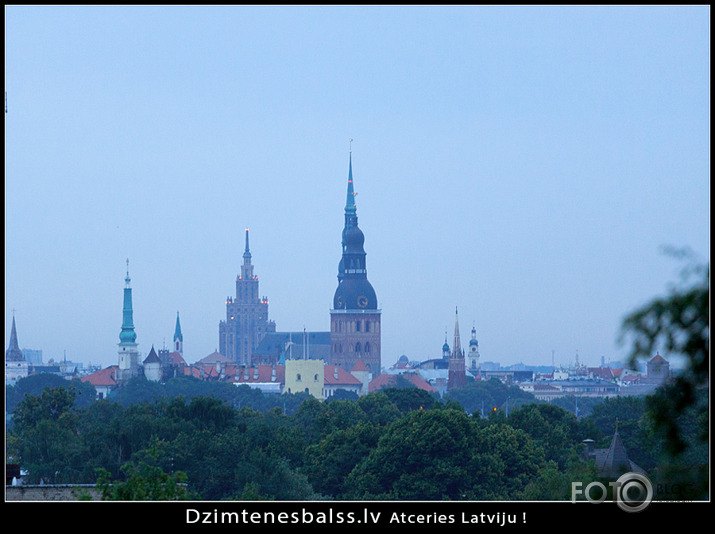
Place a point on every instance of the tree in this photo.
(489, 394)
(552, 428)
(50, 404)
(410, 398)
(35, 384)
(678, 323)
(328, 463)
(145, 481)
(446, 455)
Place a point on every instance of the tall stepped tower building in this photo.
(246, 316)
(355, 317)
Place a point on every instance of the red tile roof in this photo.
(248, 375)
(343, 377)
(175, 358)
(103, 377)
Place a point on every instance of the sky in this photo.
(524, 165)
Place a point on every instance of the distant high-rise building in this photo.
(457, 377)
(355, 317)
(246, 316)
(128, 353)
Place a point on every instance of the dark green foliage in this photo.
(144, 482)
(489, 395)
(214, 441)
(678, 415)
(84, 394)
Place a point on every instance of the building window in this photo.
(367, 326)
(357, 326)
(297, 378)
(367, 347)
(357, 347)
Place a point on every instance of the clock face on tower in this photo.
(362, 301)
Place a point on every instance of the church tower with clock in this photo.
(355, 317)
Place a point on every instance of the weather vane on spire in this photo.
(351, 145)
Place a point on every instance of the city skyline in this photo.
(524, 164)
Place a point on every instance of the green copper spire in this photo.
(177, 330)
(350, 208)
(127, 335)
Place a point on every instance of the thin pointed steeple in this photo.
(13, 352)
(177, 330)
(247, 252)
(178, 337)
(350, 208)
(457, 348)
(127, 335)
(246, 267)
(456, 376)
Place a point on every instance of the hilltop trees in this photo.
(444, 454)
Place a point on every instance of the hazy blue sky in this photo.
(523, 164)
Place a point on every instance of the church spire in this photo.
(128, 355)
(178, 337)
(350, 208)
(457, 348)
(456, 376)
(127, 335)
(13, 352)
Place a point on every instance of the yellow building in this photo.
(305, 376)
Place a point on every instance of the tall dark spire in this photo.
(13, 352)
(457, 347)
(456, 377)
(354, 317)
(354, 291)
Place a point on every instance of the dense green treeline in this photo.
(216, 444)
